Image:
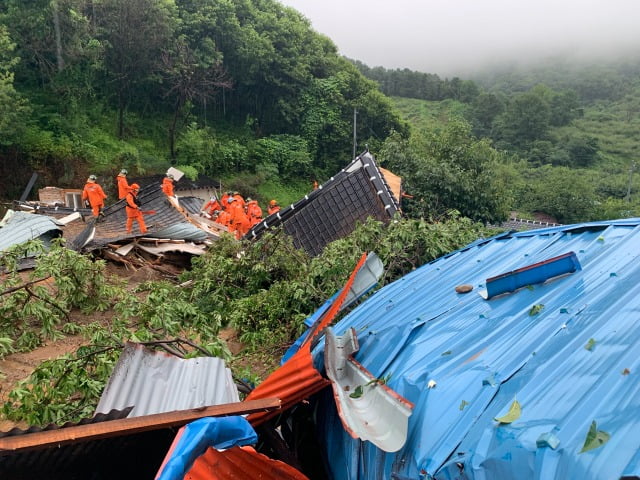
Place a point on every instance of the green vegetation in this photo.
(246, 92)
(264, 290)
(225, 87)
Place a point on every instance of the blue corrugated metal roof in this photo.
(567, 350)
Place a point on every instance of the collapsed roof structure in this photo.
(358, 191)
(530, 375)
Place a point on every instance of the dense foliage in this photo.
(218, 85)
(265, 290)
(567, 135)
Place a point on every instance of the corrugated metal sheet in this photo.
(567, 350)
(169, 219)
(154, 382)
(240, 463)
(21, 227)
(182, 231)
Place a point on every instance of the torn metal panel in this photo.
(331, 212)
(20, 227)
(369, 409)
(154, 382)
(366, 278)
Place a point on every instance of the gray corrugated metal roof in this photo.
(182, 231)
(168, 220)
(155, 382)
(22, 227)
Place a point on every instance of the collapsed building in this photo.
(514, 358)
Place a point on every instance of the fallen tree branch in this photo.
(46, 300)
(24, 285)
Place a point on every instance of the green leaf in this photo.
(590, 345)
(595, 438)
(357, 393)
(512, 415)
(536, 309)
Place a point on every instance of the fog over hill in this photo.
(457, 38)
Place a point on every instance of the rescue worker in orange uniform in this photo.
(273, 207)
(93, 193)
(133, 209)
(123, 185)
(222, 217)
(167, 185)
(239, 222)
(224, 201)
(211, 206)
(240, 199)
(254, 212)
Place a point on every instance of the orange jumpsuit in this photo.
(211, 206)
(224, 218)
(94, 193)
(167, 186)
(273, 209)
(134, 213)
(240, 200)
(224, 201)
(239, 220)
(254, 212)
(123, 185)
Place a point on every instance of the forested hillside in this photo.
(246, 91)
(217, 87)
(567, 132)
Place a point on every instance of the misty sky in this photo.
(456, 36)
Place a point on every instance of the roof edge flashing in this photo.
(367, 407)
(531, 274)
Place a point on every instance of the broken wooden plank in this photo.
(128, 426)
(125, 249)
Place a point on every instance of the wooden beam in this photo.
(128, 426)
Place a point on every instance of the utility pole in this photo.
(355, 117)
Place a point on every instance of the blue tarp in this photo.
(194, 439)
(567, 350)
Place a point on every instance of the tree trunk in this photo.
(56, 27)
